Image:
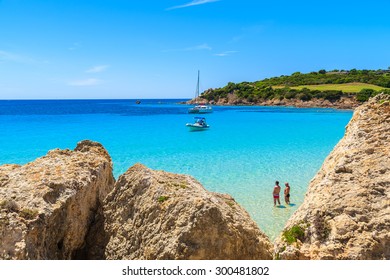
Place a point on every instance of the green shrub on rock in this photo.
(293, 234)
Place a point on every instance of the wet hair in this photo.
(277, 182)
(287, 184)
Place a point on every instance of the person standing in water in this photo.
(287, 193)
(276, 193)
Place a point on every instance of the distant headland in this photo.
(342, 89)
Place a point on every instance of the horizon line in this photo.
(53, 99)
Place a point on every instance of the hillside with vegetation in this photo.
(330, 88)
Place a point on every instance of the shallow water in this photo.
(245, 150)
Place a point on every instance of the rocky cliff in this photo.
(159, 215)
(346, 211)
(48, 205)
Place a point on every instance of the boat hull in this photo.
(194, 127)
(195, 111)
(200, 109)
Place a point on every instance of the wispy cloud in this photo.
(249, 31)
(13, 57)
(201, 47)
(85, 82)
(97, 69)
(74, 46)
(192, 3)
(226, 53)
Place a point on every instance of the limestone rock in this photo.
(47, 206)
(346, 211)
(159, 215)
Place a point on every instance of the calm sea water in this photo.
(243, 153)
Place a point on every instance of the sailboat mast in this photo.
(197, 87)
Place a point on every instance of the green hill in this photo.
(346, 88)
(331, 86)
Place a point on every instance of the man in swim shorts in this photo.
(276, 193)
(287, 193)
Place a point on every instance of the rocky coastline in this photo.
(346, 210)
(159, 215)
(67, 205)
(346, 102)
(48, 205)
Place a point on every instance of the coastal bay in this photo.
(170, 130)
(67, 205)
(246, 149)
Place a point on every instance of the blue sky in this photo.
(153, 49)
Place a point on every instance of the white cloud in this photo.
(74, 46)
(12, 57)
(192, 3)
(8, 56)
(248, 32)
(85, 83)
(226, 53)
(97, 69)
(200, 47)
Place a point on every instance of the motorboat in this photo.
(199, 124)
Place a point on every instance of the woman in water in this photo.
(287, 193)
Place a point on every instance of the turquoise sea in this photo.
(245, 150)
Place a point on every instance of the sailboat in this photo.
(199, 108)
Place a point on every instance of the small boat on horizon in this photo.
(199, 108)
(199, 124)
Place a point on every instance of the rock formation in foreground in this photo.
(159, 215)
(346, 211)
(48, 205)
